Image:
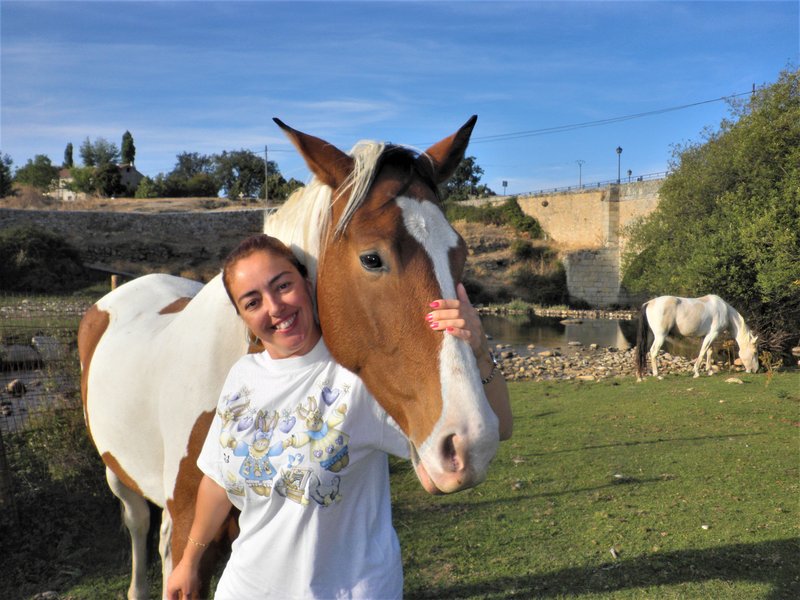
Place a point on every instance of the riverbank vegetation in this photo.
(728, 221)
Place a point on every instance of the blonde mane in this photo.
(301, 222)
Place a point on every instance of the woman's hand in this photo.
(183, 582)
(459, 318)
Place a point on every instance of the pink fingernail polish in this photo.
(429, 317)
(450, 329)
(434, 305)
(434, 325)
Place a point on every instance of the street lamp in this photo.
(580, 172)
(619, 154)
(629, 175)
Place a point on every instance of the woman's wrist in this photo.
(493, 366)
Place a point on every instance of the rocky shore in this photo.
(583, 363)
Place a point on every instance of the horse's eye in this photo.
(371, 262)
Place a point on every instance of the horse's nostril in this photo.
(450, 453)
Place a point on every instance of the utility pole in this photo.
(580, 162)
(266, 178)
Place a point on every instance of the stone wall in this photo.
(168, 242)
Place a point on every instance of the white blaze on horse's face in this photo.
(466, 416)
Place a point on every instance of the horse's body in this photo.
(156, 351)
(706, 317)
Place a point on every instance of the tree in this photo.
(98, 153)
(38, 172)
(6, 187)
(83, 180)
(465, 182)
(728, 219)
(190, 164)
(128, 149)
(240, 172)
(108, 181)
(279, 188)
(147, 188)
(68, 162)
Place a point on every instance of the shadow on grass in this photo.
(701, 438)
(774, 563)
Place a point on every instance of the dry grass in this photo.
(29, 198)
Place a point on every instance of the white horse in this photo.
(705, 317)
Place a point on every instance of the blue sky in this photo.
(209, 76)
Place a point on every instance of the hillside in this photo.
(501, 265)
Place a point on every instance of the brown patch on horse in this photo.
(111, 462)
(175, 307)
(92, 327)
(181, 506)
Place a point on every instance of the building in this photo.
(62, 188)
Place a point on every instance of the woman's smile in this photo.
(274, 300)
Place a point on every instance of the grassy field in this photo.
(680, 488)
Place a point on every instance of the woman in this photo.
(299, 446)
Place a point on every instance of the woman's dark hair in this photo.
(260, 242)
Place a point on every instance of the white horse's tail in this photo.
(641, 342)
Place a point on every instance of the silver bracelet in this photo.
(495, 366)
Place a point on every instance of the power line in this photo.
(562, 128)
(571, 127)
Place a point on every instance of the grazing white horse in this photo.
(705, 317)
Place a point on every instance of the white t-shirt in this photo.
(301, 447)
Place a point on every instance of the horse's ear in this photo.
(326, 161)
(448, 153)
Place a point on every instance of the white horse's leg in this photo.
(658, 341)
(709, 354)
(705, 347)
(136, 516)
(165, 549)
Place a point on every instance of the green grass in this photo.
(640, 468)
(693, 483)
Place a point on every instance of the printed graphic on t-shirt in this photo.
(297, 453)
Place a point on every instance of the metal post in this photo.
(619, 154)
(266, 178)
(580, 172)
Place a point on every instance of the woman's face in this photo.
(274, 301)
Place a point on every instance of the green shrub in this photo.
(35, 260)
(544, 289)
(509, 213)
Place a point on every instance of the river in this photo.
(556, 333)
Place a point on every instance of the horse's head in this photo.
(748, 351)
(386, 253)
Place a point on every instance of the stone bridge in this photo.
(587, 226)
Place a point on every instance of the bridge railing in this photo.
(593, 185)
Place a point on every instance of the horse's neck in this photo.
(736, 323)
(299, 223)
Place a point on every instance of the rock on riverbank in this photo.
(581, 363)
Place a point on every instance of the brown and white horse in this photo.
(155, 351)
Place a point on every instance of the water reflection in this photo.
(548, 333)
